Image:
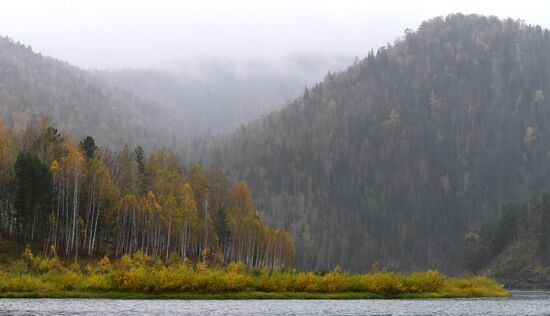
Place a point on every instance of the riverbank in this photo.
(141, 277)
(239, 295)
(525, 285)
(222, 285)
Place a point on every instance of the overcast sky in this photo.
(134, 33)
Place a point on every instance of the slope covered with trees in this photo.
(515, 246)
(394, 159)
(78, 102)
(78, 200)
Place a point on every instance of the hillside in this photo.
(79, 103)
(393, 160)
(217, 95)
(515, 247)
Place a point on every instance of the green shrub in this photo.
(21, 283)
(384, 282)
(141, 273)
(422, 282)
(96, 282)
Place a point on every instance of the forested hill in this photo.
(394, 159)
(79, 103)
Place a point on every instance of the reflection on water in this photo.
(520, 303)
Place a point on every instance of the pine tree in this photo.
(87, 145)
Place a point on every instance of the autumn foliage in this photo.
(77, 200)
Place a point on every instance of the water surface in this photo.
(520, 303)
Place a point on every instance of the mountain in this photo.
(80, 104)
(216, 95)
(393, 160)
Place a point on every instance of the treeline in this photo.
(77, 199)
(520, 236)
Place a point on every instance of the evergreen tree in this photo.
(139, 157)
(87, 145)
(34, 193)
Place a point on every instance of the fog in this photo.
(106, 34)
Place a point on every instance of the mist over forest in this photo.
(217, 95)
(413, 149)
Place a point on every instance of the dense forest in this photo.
(388, 163)
(514, 246)
(78, 102)
(396, 158)
(79, 200)
(217, 95)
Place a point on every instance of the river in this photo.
(520, 303)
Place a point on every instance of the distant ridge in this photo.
(79, 103)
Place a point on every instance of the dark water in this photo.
(520, 303)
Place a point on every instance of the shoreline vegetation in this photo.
(247, 295)
(139, 276)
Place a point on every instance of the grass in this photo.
(233, 295)
(142, 277)
(191, 295)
